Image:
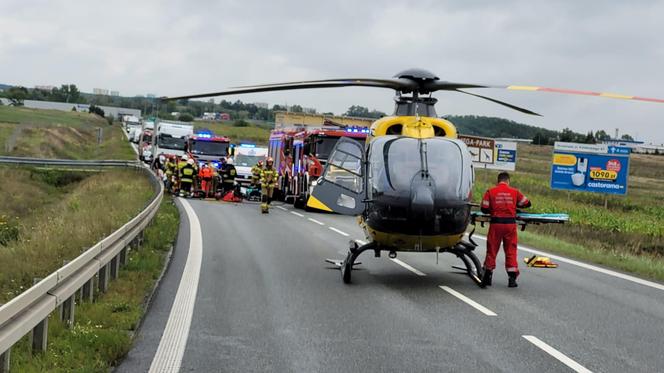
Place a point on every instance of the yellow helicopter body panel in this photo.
(405, 242)
(412, 126)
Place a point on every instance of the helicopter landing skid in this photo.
(464, 251)
(346, 265)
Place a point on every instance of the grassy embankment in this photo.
(103, 330)
(59, 134)
(49, 216)
(253, 133)
(628, 235)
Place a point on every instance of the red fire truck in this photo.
(205, 146)
(301, 154)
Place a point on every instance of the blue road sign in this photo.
(590, 168)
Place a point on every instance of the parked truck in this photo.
(169, 138)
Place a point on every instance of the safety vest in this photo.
(205, 173)
(228, 173)
(170, 168)
(187, 173)
(268, 177)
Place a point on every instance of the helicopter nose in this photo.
(422, 201)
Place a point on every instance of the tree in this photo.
(16, 95)
(96, 110)
(627, 137)
(590, 138)
(296, 109)
(361, 111)
(567, 135)
(541, 139)
(240, 123)
(357, 111)
(185, 117)
(279, 108)
(66, 93)
(601, 135)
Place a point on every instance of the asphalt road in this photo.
(266, 301)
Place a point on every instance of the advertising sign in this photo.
(489, 153)
(597, 168)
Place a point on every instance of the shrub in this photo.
(240, 123)
(8, 230)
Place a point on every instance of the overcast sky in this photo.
(182, 47)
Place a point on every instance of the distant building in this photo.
(100, 91)
(115, 93)
(45, 87)
(150, 95)
(224, 116)
(636, 146)
(262, 105)
(290, 119)
(524, 141)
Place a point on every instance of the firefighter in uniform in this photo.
(256, 173)
(268, 182)
(501, 203)
(187, 173)
(171, 169)
(228, 174)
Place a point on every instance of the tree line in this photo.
(239, 111)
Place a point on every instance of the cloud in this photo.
(179, 47)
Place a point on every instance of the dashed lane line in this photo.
(297, 214)
(609, 272)
(557, 354)
(469, 301)
(408, 267)
(315, 221)
(340, 232)
(281, 208)
(168, 357)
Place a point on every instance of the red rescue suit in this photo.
(501, 203)
(206, 179)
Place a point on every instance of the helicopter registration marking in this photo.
(469, 301)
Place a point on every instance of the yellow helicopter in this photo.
(411, 183)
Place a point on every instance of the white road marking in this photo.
(168, 357)
(297, 214)
(282, 208)
(340, 232)
(408, 267)
(557, 354)
(316, 221)
(469, 301)
(609, 272)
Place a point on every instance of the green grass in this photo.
(628, 235)
(104, 330)
(59, 134)
(253, 133)
(68, 214)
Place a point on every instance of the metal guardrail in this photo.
(29, 311)
(27, 161)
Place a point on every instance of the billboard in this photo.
(489, 153)
(597, 168)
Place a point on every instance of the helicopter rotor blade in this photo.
(514, 107)
(402, 85)
(578, 92)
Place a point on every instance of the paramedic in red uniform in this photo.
(501, 203)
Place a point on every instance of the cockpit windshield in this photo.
(396, 161)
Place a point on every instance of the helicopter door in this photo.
(341, 187)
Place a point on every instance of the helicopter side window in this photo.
(344, 169)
